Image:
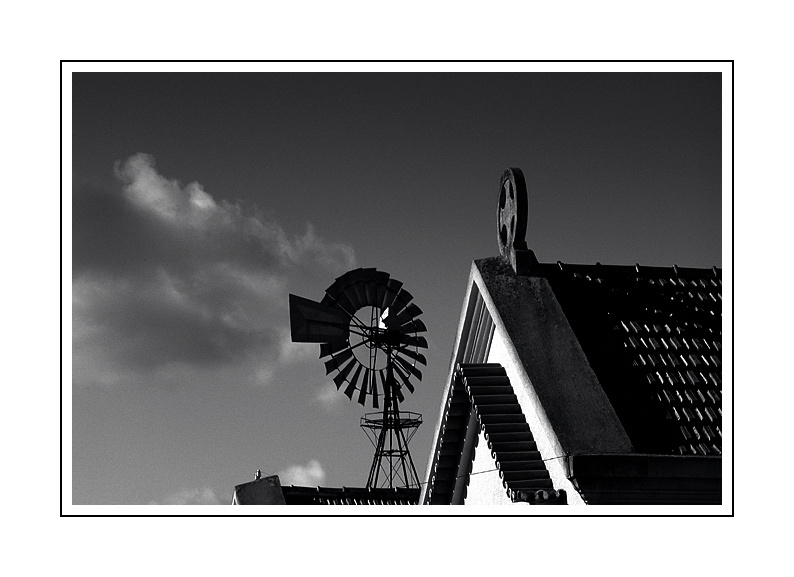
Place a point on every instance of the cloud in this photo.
(329, 397)
(203, 496)
(291, 353)
(164, 274)
(309, 475)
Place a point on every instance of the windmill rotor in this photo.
(365, 321)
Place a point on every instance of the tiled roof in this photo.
(296, 495)
(653, 337)
(483, 396)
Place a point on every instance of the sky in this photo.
(201, 201)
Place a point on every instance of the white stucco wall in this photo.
(547, 442)
(485, 485)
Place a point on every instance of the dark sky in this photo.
(200, 201)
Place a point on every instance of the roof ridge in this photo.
(640, 269)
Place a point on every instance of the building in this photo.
(569, 385)
(580, 384)
(268, 491)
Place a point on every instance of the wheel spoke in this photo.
(363, 335)
(356, 345)
(358, 323)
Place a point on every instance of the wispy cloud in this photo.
(165, 274)
(329, 397)
(203, 496)
(290, 352)
(309, 475)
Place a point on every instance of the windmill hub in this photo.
(369, 328)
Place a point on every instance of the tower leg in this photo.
(374, 470)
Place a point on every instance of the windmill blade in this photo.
(408, 313)
(352, 386)
(368, 274)
(410, 353)
(405, 365)
(343, 285)
(359, 288)
(362, 396)
(381, 279)
(343, 372)
(349, 390)
(415, 326)
(375, 394)
(413, 341)
(383, 375)
(312, 322)
(367, 282)
(393, 287)
(356, 284)
(401, 301)
(371, 289)
(398, 391)
(336, 362)
(347, 278)
(352, 298)
(403, 377)
(335, 296)
(332, 348)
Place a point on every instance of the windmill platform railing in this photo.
(390, 432)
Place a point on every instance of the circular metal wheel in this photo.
(383, 325)
(511, 215)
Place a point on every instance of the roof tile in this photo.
(671, 319)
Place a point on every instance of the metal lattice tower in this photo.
(390, 432)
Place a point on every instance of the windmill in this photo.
(368, 329)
